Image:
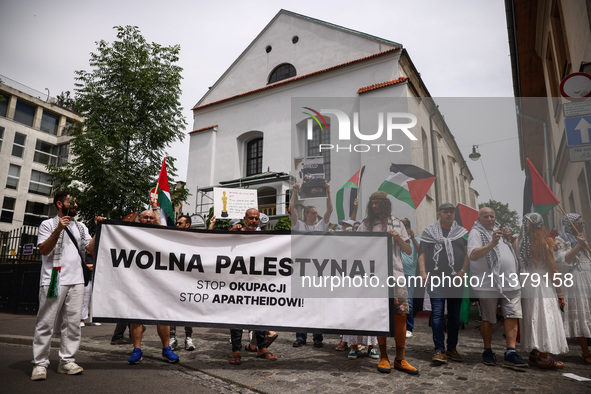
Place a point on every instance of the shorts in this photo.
(489, 301)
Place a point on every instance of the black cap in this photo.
(445, 205)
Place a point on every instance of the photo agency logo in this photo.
(390, 123)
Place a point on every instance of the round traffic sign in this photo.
(576, 86)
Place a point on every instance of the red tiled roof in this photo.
(382, 85)
(300, 77)
(203, 129)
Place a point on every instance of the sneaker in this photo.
(512, 360)
(189, 344)
(136, 356)
(439, 357)
(168, 355)
(70, 368)
(121, 341)
(174, 344)
(39, 373)
(82, 324)
(373, 353)
(454, 355)
(318, 344)
(299, 343)
(94, 324)
(352, 354)
(408, 334)
(489, 358)
(405, 367)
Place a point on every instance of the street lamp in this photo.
(475, 155)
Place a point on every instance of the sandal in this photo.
(549, 363)
(235, 359)
(249, 348)
(341, 347)
(271, 339)
(267, 356)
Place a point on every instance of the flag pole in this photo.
(573, 226)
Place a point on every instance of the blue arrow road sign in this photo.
(577, 130)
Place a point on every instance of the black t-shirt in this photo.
(443, 264)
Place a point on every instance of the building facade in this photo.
(549, 40)
(255, 120)
(33, 134)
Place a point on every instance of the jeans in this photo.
(120, 330)
(410, 318)
(438, 320)
(188, 331)
(302, 336)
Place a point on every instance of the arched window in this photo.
(282, 71)
(254, 157)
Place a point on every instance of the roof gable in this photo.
(319, 45)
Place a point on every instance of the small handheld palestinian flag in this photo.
(466, 216)
(537, 196)
(408, 183)
(347, 194)
(166, 211)
(54, 283)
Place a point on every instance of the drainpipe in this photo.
(546, 153)
(434, 156)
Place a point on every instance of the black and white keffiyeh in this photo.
(434, 235)
(567, 233)
(492, 257)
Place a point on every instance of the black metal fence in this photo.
(20, 267)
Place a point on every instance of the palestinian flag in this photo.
(466, 216)
(166, 211)
(407, 183)
(347, 194)
(537, 196)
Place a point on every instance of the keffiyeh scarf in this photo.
(567, 232)
(536, 221)
(492, 257)
(434, 235)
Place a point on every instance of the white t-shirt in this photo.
(480, 269)
(71, 271)
(301, 226)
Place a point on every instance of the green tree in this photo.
(130, 104)
(504, 215)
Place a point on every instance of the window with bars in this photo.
(14, 173)
(7, 209)
(282, 71)
(18, 148)
(320, 137)
(40, 183)
(254, 157)
(46, 153)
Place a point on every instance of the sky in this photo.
(460, 47)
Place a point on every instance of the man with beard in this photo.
(62, 286)
(379, 219)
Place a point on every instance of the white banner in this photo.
(334, 282)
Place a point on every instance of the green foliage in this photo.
(503, 214)
(283, 224)
(131, 109)
(65, 100)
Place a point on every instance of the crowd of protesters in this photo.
(543, 315)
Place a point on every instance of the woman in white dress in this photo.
(574, 261)
(541, 327)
